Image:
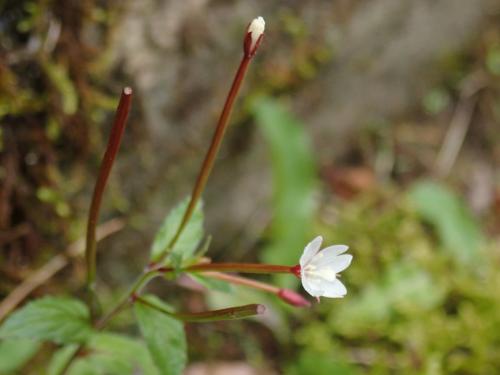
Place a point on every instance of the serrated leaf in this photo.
(58, 319)
(188, 240)
(164, 336)
(15, 353)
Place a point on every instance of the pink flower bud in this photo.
(293, 298)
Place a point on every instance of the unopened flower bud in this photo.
(293, 298)
(254, 35)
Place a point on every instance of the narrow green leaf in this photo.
(164, 336)
(15, 353)
(58, 319)
(293, 178)
(188, 240)
(455, 225)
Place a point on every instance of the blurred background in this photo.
(375, 123)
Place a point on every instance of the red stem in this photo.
(209, 160)
(233, 267)
(239, 280)
(107, 162)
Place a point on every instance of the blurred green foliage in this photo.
(454, 224)
(15, 353)
(294, 181)
(436, 100)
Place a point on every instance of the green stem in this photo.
(231, 313)
(126, 300)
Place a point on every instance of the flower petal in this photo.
(311, 286)
(334, 289)
(328, 254)
(341, 262)
(310, 251)
(335, 250)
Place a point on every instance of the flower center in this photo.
(321, 272)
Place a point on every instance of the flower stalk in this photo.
(251, 42)
(287, 295)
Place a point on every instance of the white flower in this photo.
(256, 29)
(319, 269)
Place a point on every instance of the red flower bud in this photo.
(293, 298)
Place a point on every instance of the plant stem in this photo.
(287, 295)
(126, 300)
(239, 280)
(231, 313)
(209, 160)
(233, 267)
(107, 162)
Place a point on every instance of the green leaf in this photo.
(165, 337)
(109, 354)
(188, 240)
(455, 225)
(60, 359)
(116, 354)
(15, 353)
(294, 181)
(58, 319)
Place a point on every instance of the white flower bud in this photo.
(256, 29)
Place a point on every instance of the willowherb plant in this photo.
(80, 328)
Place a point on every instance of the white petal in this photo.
(334, 289)
(256, 27)
(311, 285)
(335, 249)
(310, 251)
(328, 254)
(340, 263)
